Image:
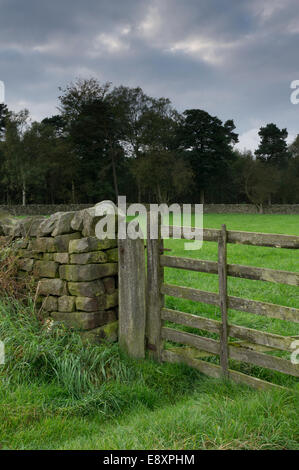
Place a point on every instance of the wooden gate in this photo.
(157, 314)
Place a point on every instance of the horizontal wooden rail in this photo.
(263, 360)
(244, 238)
(234, 270)
(236, 353)
(244, 305)
(264, 308)
(191, 264)
(188, 319)
(198, 342)
(262, 338)
(263, 274)
(215, 371)
(189, 293)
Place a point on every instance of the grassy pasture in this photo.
(58, 394)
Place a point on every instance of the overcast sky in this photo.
(234, 58)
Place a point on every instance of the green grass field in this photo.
(57, 394)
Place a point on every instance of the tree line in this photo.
(107, 141)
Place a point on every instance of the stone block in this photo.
(109, 284)
(26, 264)
(66, 303)
(107, 332)
(87, 272)
(84, 245)
(110, 217)
(49, 304)
(34, 226)
(48, 225)
(89, 222)
(61, 258)
(43, 245)
(77, 221)
(87, 258)
(48, 256)
(30, 226)
(29, 254)
(111, 300)
(86, 289)
(51, 287)
(112, 255)
(10, 226)
(62, 241)
(63, 224)
(91, 304)
(46, 269)
(89, 219)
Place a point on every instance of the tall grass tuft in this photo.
(36, 352)
(91, 376)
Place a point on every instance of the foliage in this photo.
(208, 143)
(273, 147)
(110, 140)
(260, 181)
(163, 175)
(12, 286)
(3, 116)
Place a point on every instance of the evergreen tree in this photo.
(208, 143)
(273, 147)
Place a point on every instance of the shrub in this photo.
(12, 285)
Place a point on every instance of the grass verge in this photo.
(57, 393)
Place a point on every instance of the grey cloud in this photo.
(235, 59)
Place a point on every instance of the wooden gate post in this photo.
(132, 297)
(155, 300)
(222, 272)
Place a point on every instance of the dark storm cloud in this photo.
(235, 59)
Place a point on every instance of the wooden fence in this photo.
(252, 345)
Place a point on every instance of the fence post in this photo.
(222, 272)
(132, 297)
(155, 299)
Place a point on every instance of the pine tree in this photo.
(273, 147)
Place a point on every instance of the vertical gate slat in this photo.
(222, 272)
(132, 297)
(155, 299)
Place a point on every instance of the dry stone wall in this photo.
(75, 272)
(42, 209)
(35, 209)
